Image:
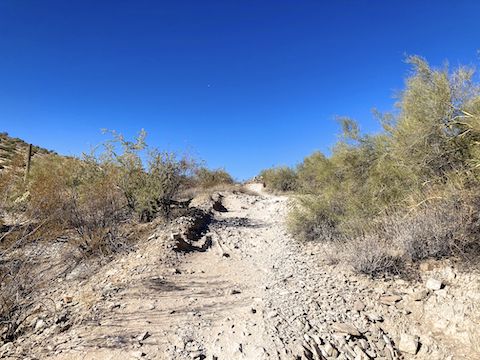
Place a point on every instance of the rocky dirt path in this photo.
(255, 294)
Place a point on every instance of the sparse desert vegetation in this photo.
(406, 194)
(134, 238)
(206, 178)
(12, 151)
(96, 202)
(279, 179)
(270, 213)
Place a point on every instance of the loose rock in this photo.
(346, 329)
(408, 344)
(40, 324)
(420, 295)
(390, 300)
(434, 284)
(359, 306)
(143, 336)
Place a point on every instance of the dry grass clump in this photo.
(433, 232)
(439, 228)
(408, 189)
(16, 288)
(373, 255)
(12, 148)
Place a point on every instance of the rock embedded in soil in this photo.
(138, 354)
(390, 299)
(143, 336)
(420, 295)
(408, 344)
(330, 350)
(360, 354)
(359, 306)
(442, 293)
(434, 284)
(346, 329)
(375, 317)
(40, 324)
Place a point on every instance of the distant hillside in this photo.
(15, 148)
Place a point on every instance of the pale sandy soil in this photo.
(256, 294)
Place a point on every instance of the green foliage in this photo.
(148, 190)
(437, 129)
(315, 218)
(429, 146)
(315, 173)
(279, 179)
(96, 193)
(206, 178)
(68, 193)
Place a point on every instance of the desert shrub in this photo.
(411, 183)
(372, 255)
(79, 194)
(444, 226)
(312, 219)
(148, 190)
(96, 208)
(206, 178)
(280, 179)
(95, 194)
(437, 128)
(51, 182)
(12, 186)
(356, 183)
(165, 176)
(315, 173)
(17, 284)
(430, 234)
(93, 199)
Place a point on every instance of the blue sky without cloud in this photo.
(241, 84)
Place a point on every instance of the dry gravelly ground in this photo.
(256, 294)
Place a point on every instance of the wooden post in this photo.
(28, 160)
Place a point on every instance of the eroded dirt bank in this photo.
(256, 294)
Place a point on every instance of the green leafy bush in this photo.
(280, 179)
(94, 199)
(148, 190)
(97, 193)
(68, 193)
(206, 178)
(427, 155)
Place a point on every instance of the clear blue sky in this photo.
(242, 84)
